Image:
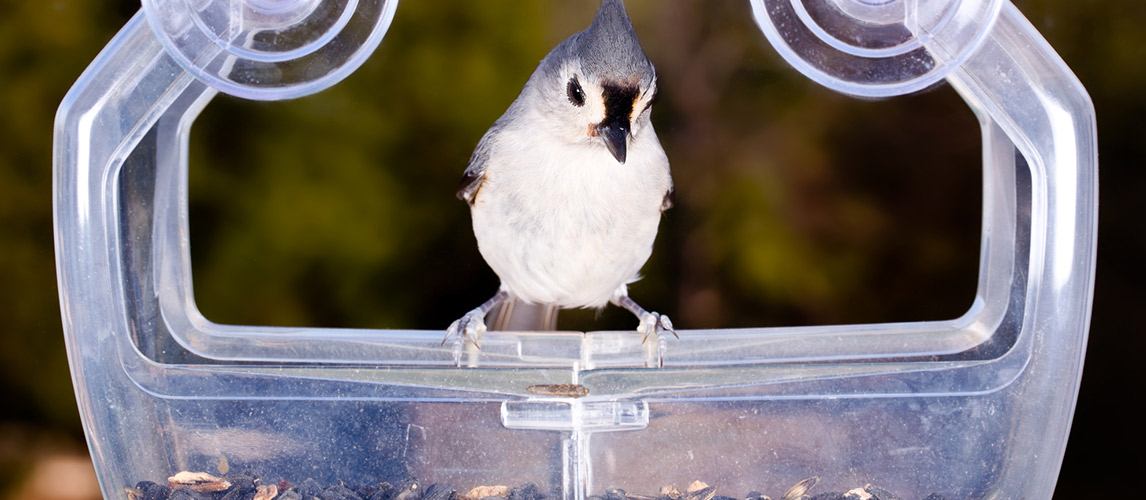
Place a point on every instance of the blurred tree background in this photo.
(795, 205)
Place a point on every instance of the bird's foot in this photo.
(651, 322)
(470, 326)
(654, 323)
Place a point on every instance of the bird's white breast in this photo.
(567, 224)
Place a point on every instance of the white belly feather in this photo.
(569, 225)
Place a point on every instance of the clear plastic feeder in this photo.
(975, 407)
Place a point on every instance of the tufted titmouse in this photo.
(566, 189)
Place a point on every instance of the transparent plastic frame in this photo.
(975, 407)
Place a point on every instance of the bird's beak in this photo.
(616, 137)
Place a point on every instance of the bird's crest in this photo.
(609, 47)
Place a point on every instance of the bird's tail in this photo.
(517, 315)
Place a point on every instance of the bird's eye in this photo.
(576, 95)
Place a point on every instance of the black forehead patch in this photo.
(619, 99)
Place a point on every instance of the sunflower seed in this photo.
(201, 482)
(799, 489)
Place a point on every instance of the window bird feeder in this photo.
(975, 407)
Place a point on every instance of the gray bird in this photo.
(566, 189)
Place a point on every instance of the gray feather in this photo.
(610, 49)
(515, 315)
(475, 171)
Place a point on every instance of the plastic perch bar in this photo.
(974, 407)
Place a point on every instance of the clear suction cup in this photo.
(270, 49)
(875, 48)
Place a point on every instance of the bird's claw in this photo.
(470, 326)
(655, 323)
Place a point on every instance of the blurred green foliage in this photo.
(43, 47)
(795, 206)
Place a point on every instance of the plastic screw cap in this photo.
(270, 49)
(875, 48)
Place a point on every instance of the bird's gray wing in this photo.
(669, 199)
(475, 173)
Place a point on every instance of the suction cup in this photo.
(875, 48)
(270, 49)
